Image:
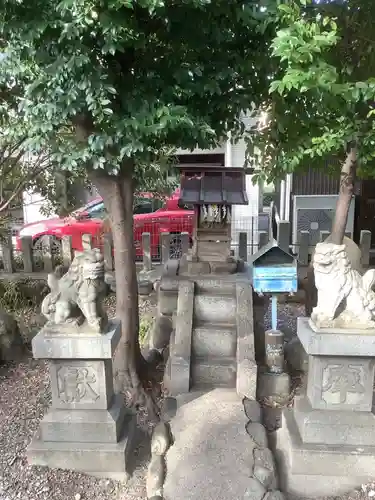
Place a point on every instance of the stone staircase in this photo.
(214, 339)
(213, 336)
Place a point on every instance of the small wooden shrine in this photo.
(212, 191)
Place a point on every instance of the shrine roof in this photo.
(212, 184)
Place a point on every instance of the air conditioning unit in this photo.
(314, 213)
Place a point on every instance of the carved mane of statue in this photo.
(345, 297)
(78, 295)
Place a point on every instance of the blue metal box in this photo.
(275, 279)
(274, 270)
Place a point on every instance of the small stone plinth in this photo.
(326, 445)
(87, 427)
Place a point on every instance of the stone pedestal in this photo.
(327, 441)
(87, 427)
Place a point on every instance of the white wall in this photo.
(244, 217)
(32, 203)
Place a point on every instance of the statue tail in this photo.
(53, 282)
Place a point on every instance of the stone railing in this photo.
(39, 262)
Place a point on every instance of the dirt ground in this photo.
(24, 397)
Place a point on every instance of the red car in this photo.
(151, 215)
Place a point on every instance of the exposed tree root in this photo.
(143, 394)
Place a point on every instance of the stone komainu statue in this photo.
(78, 295)
(345, 297)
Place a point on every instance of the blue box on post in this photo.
(274, 270)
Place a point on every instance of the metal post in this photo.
(274, 312)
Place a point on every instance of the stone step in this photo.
(211, 372)
(215, 308)
(211, 339)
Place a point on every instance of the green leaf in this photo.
(274, 86)
(285, 8)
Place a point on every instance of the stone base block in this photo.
(83, 426)
(106, 460)
(333, 427)
(167, 302)
(197, 268)
(65, 342)
(313, 470)
(229, 267)
(273, 384)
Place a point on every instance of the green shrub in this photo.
(21, 293)
(145, 325)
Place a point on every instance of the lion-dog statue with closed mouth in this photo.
(77, 297)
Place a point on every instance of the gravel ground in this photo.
(24, 398)
(287, 318)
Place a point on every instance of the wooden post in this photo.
(48, 260)
(165, 246)
(365, 246)
(108, 252)
(87, 241)
(146, 250)
(185, 240)
(7, 253)
(67, 251)
(27, 254)
(264, 238)
(283, 235)
(303, 248)
(242, 246)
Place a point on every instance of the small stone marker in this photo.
(274, 340)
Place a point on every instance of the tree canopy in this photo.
(322, 95)
(131, 77)
(111, 86)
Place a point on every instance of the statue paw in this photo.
(96, 324)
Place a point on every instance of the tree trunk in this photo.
(348, 174)
(117, 194)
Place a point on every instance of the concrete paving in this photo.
(213, 456)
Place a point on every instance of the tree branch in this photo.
(20, 186)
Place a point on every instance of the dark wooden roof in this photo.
(212, 184)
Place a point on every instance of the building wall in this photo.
(245, 218)
(32, 205)
(315, 181)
